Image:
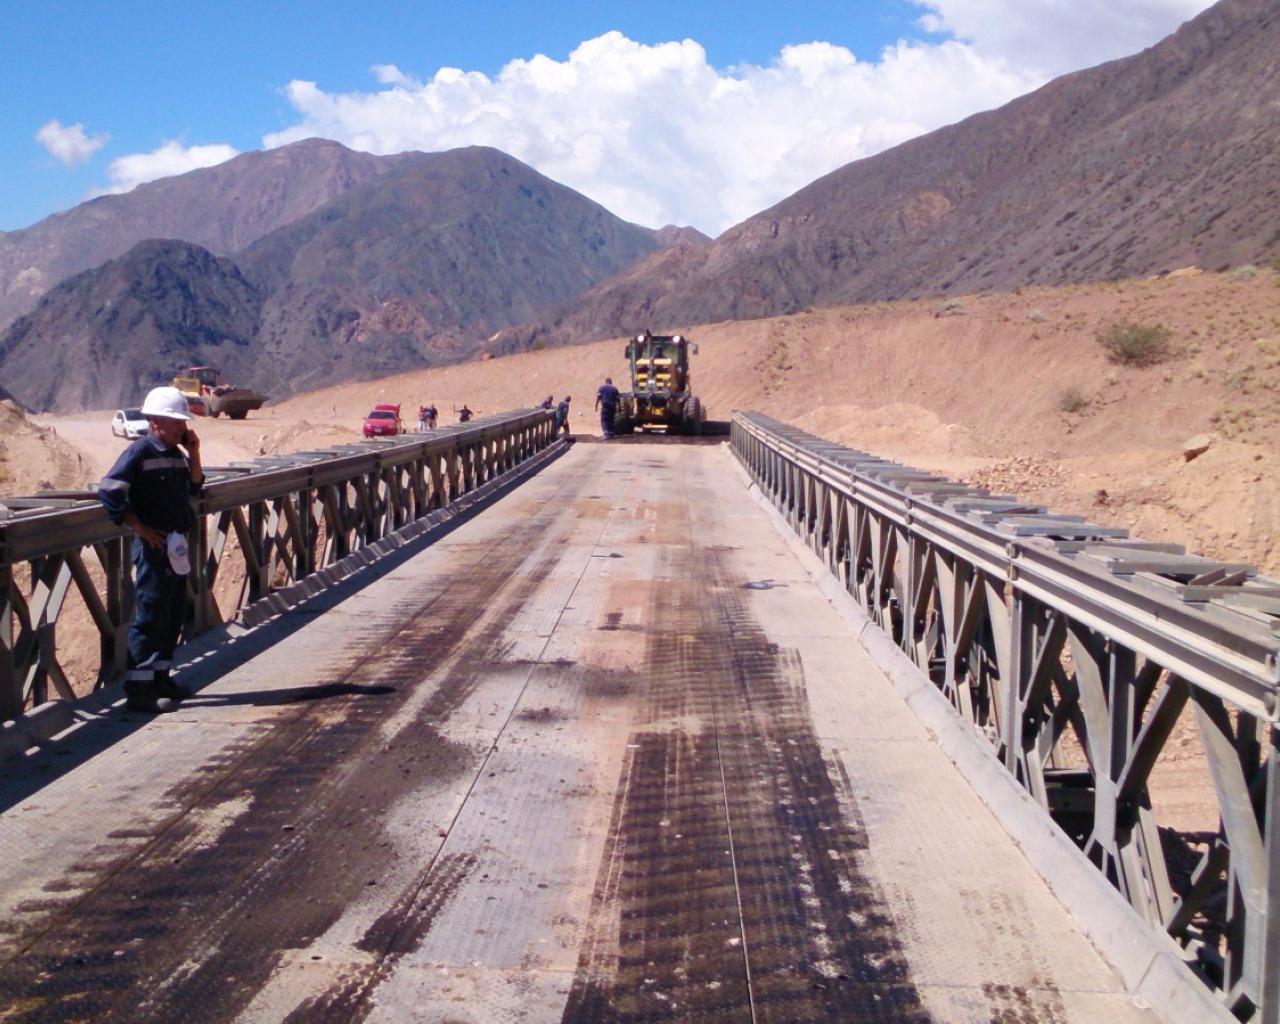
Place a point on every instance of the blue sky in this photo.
(665, 112)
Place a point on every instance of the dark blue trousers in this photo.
(607, 413)
(160, 604)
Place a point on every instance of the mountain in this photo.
(1164, 159)
(417, 266)
(222, 208)
(426, 263)
(104, 336)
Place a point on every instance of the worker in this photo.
(149, 490)
(607, 403)
(422, 419)
(433, 414)
(548, 402)
(562, 417)
(464, 414)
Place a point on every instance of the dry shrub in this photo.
(1073, 400)
(1134, 344)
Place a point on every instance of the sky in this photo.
(664, 112)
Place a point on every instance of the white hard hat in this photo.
(166, 402)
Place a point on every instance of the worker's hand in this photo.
(190, 440)
(156, 538)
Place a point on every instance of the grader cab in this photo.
(661, 393)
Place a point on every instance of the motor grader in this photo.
(661, 394)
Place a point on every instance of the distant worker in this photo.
(149, 490)
(433, 414)
(607, 402)
(464, 414)
(548, 402)
(562, 417)
(422, 419)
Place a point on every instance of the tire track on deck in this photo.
(179, 930)
(730, 886)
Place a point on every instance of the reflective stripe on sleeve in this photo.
(165, 462)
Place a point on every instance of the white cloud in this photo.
(389, 74)
(658, 135)
(128, 172)
(69, 144)
(1052, 37)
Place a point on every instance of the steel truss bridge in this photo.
(707, 814)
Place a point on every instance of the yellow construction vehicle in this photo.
(661, 394)
(208, 394)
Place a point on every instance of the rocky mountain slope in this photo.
(104, 336)
(425, 264)
(1161, 160)
(222, 208)
(414, 267)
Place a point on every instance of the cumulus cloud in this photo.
(389, 74)
(128, 172)
(657, 134)
(1052, 37)
(69, 144)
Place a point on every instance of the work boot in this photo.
(166, 687)
(143, 697)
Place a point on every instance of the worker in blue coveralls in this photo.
(149, 490)
(607, 403)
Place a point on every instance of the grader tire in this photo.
(692, 415)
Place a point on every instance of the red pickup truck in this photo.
(383, 421)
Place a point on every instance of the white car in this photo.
(129, 423)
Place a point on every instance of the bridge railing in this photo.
(1082, 655)
(260, 525)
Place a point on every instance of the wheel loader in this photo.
(661, 394)
(209, 395)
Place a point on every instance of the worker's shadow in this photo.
(288, 695)
(22, 777)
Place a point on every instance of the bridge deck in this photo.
(602, 753)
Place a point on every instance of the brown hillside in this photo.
(973, 387)
(1160, 160)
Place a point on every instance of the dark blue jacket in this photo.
(152, 482)
(608, 396)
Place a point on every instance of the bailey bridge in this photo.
(490, 726)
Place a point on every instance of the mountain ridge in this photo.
(416, 266)
(222, 208)
(1140, 165)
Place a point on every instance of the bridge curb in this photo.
(1151, 966)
